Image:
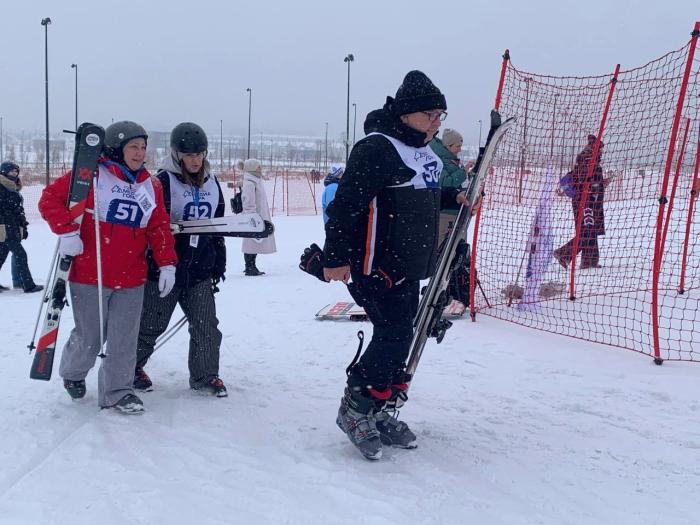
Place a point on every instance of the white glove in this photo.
(70, 244)
(166, 281)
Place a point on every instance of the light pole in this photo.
(325, 162)
(250, 105)
(349, 58)
(45, 22)
(479, 135)
(75, 66)
(221, 145)
(354, 123)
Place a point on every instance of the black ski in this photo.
(89, 141)
(429, 321)
(240, 225)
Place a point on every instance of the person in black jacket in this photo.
(382, 233)
(13, 226)
(190, 192)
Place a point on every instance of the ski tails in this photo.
(89, 143)
(429, 321)
(240, 225)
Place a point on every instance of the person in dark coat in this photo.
(13, 226)
(190, 192)
(593, 220)
(382, 231)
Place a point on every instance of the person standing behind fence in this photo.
(331, 185)
(255, 201)
(593, 222)
(190, 192)
(13, 227)
(453, 175)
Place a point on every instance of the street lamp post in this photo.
(354, 123)
(349, 58)
(250, 105)
(325, 163)
(75, 66)
(479, 133)
(45, 22)
(221, 145)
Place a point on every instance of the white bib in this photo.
(423, 161)
(183, 201)
(119, 201)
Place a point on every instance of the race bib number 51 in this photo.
(127, 213)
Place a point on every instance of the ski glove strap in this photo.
(166, 280)
(312, 261)
(70, 244)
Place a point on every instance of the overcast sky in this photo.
(160, 62)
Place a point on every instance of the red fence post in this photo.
(656, 267)
(477, 219)
(679, 165)
(691, 204)
(587, 184)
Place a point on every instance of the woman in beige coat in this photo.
(255, 201)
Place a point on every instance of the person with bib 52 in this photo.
(190, 192)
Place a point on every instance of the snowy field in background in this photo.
(515, 426)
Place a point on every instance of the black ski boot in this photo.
(142, 381)
(130, 404)
(75, 389)
(212, 385)
(356, 419)
(250, 268)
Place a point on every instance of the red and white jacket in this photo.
(126, 230)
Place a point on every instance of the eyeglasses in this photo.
(435, 115)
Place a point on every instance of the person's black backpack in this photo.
(237, 202)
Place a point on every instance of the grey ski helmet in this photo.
(188, 137)
(118, 134)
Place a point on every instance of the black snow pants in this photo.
(197, 302)
(391, 313)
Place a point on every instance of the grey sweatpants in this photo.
(122, 308)
(197, 302)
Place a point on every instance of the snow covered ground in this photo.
(516, 426)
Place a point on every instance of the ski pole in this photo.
(47, 294)
(165, 337)
(98, 243)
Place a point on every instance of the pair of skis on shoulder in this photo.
(89, 144)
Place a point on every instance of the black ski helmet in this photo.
(8, 166)
(188, 137)
(118, 134)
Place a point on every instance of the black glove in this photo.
(25, 232)
(376, 284)
(215, 280)
(312, 260)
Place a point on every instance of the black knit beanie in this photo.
(417, 93)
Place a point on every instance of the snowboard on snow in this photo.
(348, 311)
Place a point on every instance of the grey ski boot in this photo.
(392, 431)
(356, 419)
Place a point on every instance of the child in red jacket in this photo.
(132, 217)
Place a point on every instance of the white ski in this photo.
(240, 225)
